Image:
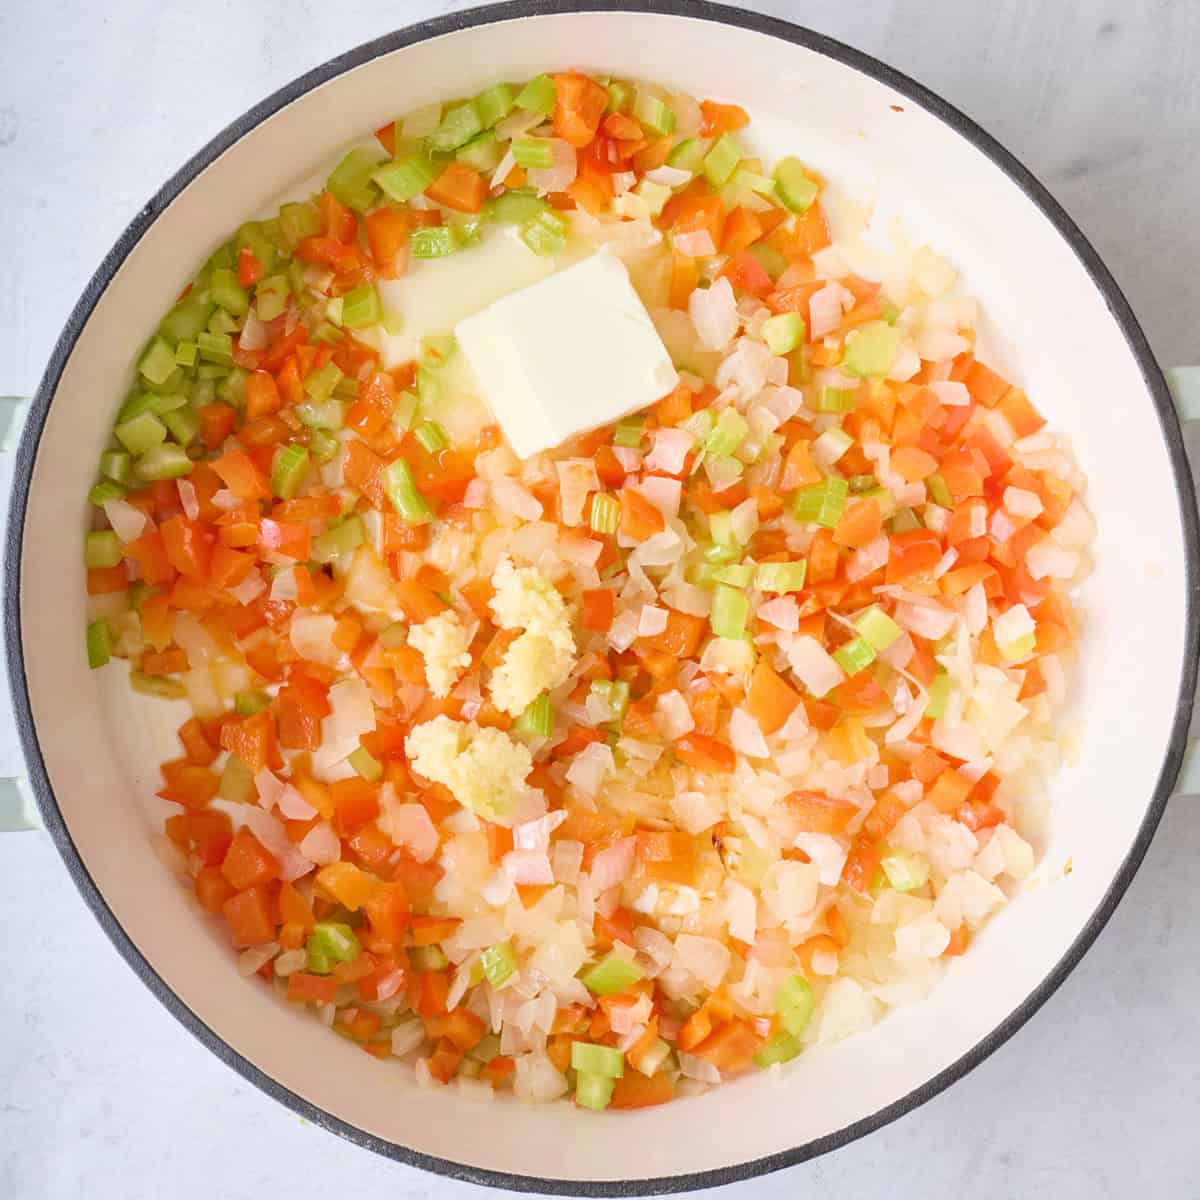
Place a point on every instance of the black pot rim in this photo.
(721, 14)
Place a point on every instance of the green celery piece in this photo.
(939, 693)
(905, 872)
(161, 404)
(871, 350)
(327, 413)
(594, 1091)
(142, 433)
(784, 332)
(821, 502)
(339, 541)
(157, 685)
(687, 155)
(836, 400)
(428, 958)
(369, 767)
(495, 103)
(720, 527)
(224, 257)
(855, 655)
(139, 593)
(104, 491)
(781, 577)
(231, 389)
(228, 293)
(719, 553)
(655, 195)
(794, 186)
(538, 717)
(435, 241)
(429, 389)
(271, 297)
(406, 177)
(771, 260)
(183, 425)
(533, 152)
(722, 160)
(654, 114)
(590, 1059)
(402, 492)
(431, 436)
(186, 354)
(939, 493)
(737, 575)
(879, 630)
(114, 465)
(297, 221)
(361, 307)
(783, 1047)
(237, 782)
(729, 611)
(158, 363)
(483, 152)
(252, 236)
(620, 96)
(168, 461)
(515, 206)
(629, 432)
(458, 126)
(334, 308)
(435, 350)
(319, 384)
(904, 521)
(794, 1002)
(288, 471)
(99, 644)
(185, 320)
(323, 446)
(333, 941)
(222, 322)
(351, 183)
(728, 433)
(544, 234)
(246, 704)
(101, 548)
(499, 962)
(216, 348)
(606, 513)
(538, 95)
(612, 974)
(135, 405)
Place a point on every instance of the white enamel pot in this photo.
(1056, 321)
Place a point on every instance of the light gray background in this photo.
(102, 1093)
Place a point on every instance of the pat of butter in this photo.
(566, 354)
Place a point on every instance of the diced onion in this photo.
(128, 522)
(613, 865)
(713, 312)
(670, 450)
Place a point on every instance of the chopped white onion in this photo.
(511, 497)
(128, 522)
(745, 736)
(713, 311)
(951, 393)
(613, 865)
(652, 621)
(669, 451)
(696, 244)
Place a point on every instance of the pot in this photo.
(1058, 324)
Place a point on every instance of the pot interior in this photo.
(1047, 325)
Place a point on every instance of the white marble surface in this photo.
(102, 1093)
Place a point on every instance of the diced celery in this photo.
(158, 686)
(939, 693)
(237, 782)
(728, 433)
(360, 307)
(433, 241)
(297, 221)
(605, 514)
(402, 492)
(1023, 647)
(184, 321)
(223, 257)
(594, 1091)
(99, 644)
(332, 941)
(774, 263)
(483, 152)
(323, 446)
(183, 425)
(794, 1002)
(544, 234)
(904, 520)
(101, 548)
(794, 186)
(161, 404)
(340, 541)
(783, 1047)
(537, 153)
(228, 293)
(215, 348)
(435, 350)
(404, 411)
(590, 1059)
(879, 630)
(855, 655)
(515, 206)
(158, 363)
(781, 577)
(327, 413)
(538, 95)
(351, 183)
(832, 444)
(431, 436)
(871, 350)
(906, 872)
(835, 400)
(538, 717)
(428, 958)
(751, 181)
(168, 461)
(629, 432)
(656, 116)
(406, 177)
(738, 575)
(620, 96)
(320, 383)
(369, 767)
(334, 308)
(458, 126)
(784, 332)
(114, 465)
(104, 491)
(494, 104)
(222, 322)
(821, 502)
(729, 611)
(687, 155)
(253, 236)
(186, 354)
(141, 433)
(722, 160)
(939, 493)
(612, 974)
(891, 314)
(720, 527)
(655, 195)
(288, 470)
(271, 297)
(499, 962)
(615, 693)
(246, 704)
(429, 390)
